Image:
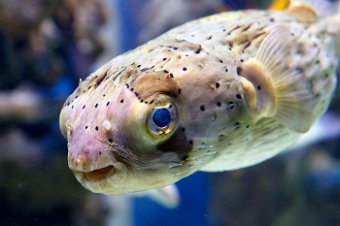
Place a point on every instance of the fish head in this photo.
(130, 129)
(129, 142)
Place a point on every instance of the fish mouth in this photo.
(98, 174)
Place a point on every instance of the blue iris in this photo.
(161, 117)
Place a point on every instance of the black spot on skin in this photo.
(238, 96)
(202, 108)
(191, 142)
(86, 127)
(247, 45)
(96, 105)
(247, 126)
(100, 79)
(199, 49)
(221, 61)
(131, 89)
(217, 85)
(183, 129)
(110, 140)
(234, 29)
(237, 125)
(317, 62)
(272, 20)
(72, 107)
(209, 37)
(242, 60)
(299, 69)
(108, 103)
(76, 97)
(139, 65)
(231, 105)
(165, 71)
(104, 95)
(238, 70)
(258, 35)
(96, 128)
(184, 69)
(127, 85)
(221, 137)
(122, 101)
(84, 106)
(259, 87)
(171, 75)
(179, 91)
(183, 157)
(164, 59)
(226, 70)
(218, 104)
(246, 28)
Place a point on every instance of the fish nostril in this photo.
(82, 160)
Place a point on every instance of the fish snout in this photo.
(91, 165)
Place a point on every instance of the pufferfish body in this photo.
(219, 93)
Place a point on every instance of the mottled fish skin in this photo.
(196, 67)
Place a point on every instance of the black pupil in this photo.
(161, 117)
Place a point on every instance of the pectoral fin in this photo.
(167, 196)
(273, 88)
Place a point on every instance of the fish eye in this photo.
(161, 120)
(161, 117)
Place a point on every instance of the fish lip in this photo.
(96, 174)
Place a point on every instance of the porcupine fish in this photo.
(219, 93)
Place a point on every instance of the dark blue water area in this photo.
(237, 4)
(325, 183)
(192, 211)
(128, 25)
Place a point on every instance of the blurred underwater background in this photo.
(47, 46)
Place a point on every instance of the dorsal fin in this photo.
(310, 10)
(303, 11)
(306, 10)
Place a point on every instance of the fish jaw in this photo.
(110, 168)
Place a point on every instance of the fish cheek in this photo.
(177, 143)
